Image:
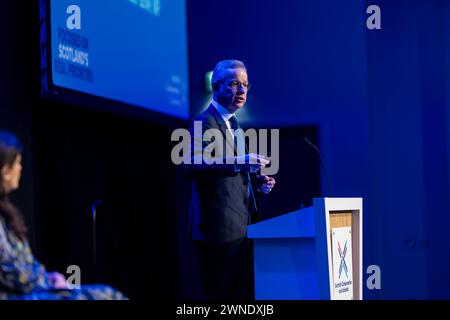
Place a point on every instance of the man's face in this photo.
(232, 89)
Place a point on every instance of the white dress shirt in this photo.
(224, 113)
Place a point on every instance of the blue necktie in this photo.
(241, 151)
(239, 140)
(233, 123)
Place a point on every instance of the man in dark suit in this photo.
(225, 188)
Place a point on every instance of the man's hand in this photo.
(251, 162)
(267, 183)
(58, 280)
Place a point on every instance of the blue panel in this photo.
(322, 250)
(285, 269)
(396, 215)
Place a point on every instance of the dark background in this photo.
(375, 102)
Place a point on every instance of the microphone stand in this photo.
(321, 164)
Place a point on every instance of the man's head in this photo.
(230, 84)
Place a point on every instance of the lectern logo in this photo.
(343, 265)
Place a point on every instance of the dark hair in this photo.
(10, 149)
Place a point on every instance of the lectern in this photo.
(313, 253)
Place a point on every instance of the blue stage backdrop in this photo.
(132, 51)
(379, 100)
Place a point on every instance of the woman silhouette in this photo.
(21, 275)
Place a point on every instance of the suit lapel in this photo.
(222, 125)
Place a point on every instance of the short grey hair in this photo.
(224, 65)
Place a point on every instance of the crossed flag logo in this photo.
(342, 254)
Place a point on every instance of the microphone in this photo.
(321, 163)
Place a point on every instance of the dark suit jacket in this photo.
(220, 207)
